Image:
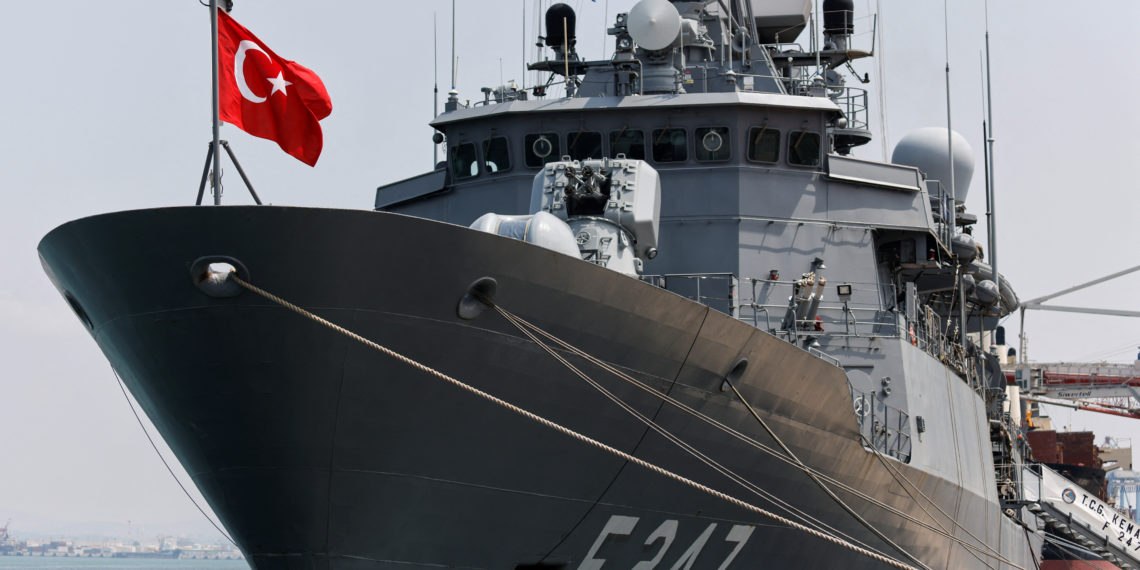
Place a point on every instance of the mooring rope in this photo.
(164, 462)
(567, 431)
(904, 481)
(522, 325)
(988, 551)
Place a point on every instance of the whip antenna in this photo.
(989, 134)
(453, 61)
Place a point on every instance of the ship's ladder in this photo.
(1078, 534)
(1071, 512)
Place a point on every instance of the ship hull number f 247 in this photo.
(665, 535)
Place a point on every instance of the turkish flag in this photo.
(267, 95)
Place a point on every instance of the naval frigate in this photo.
(649, 313)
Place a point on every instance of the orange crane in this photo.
(1114, 388)
(1069, 385)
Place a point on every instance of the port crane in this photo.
(1104, 388)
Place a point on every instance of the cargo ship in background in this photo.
(649, 313)
(1076, 456)
(1103, 388)
(1104, 471)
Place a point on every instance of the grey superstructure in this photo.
(688, 213)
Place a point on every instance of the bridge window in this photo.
(631, 143)
(670, 145)
(464, 162)
(763, 144)
(582, 145)
(713, 144)
(803, 148)
(541, 149)
(496, 155)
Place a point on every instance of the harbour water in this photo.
(76, 563)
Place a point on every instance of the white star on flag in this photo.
(279, 83)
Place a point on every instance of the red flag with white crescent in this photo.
(267, 95)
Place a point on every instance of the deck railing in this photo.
(870, 311)
(886, 427)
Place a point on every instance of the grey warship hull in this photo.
(318, 452)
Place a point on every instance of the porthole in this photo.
(542, 147)
(712, 141)
(713, 144)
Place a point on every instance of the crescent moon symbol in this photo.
(239, 70)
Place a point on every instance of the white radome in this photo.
(654, 24)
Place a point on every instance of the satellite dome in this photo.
(654, 24)
(926, 149)
(560, 26)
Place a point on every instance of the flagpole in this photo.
(435, 101)
(216, 178)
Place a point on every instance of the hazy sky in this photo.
(107, 108)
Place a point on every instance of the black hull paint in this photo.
(317, 452)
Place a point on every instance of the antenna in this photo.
(949, 123)
(454, 62)
(953, 221)
(880, 58)
(605, 22)
(522, 78)
(989, 134)
(989, 189)
(815, 37)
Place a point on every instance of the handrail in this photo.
(824, 356)
(837, 319)
(887, 431)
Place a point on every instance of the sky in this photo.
(108, 109)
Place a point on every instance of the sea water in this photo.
(75, 563)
